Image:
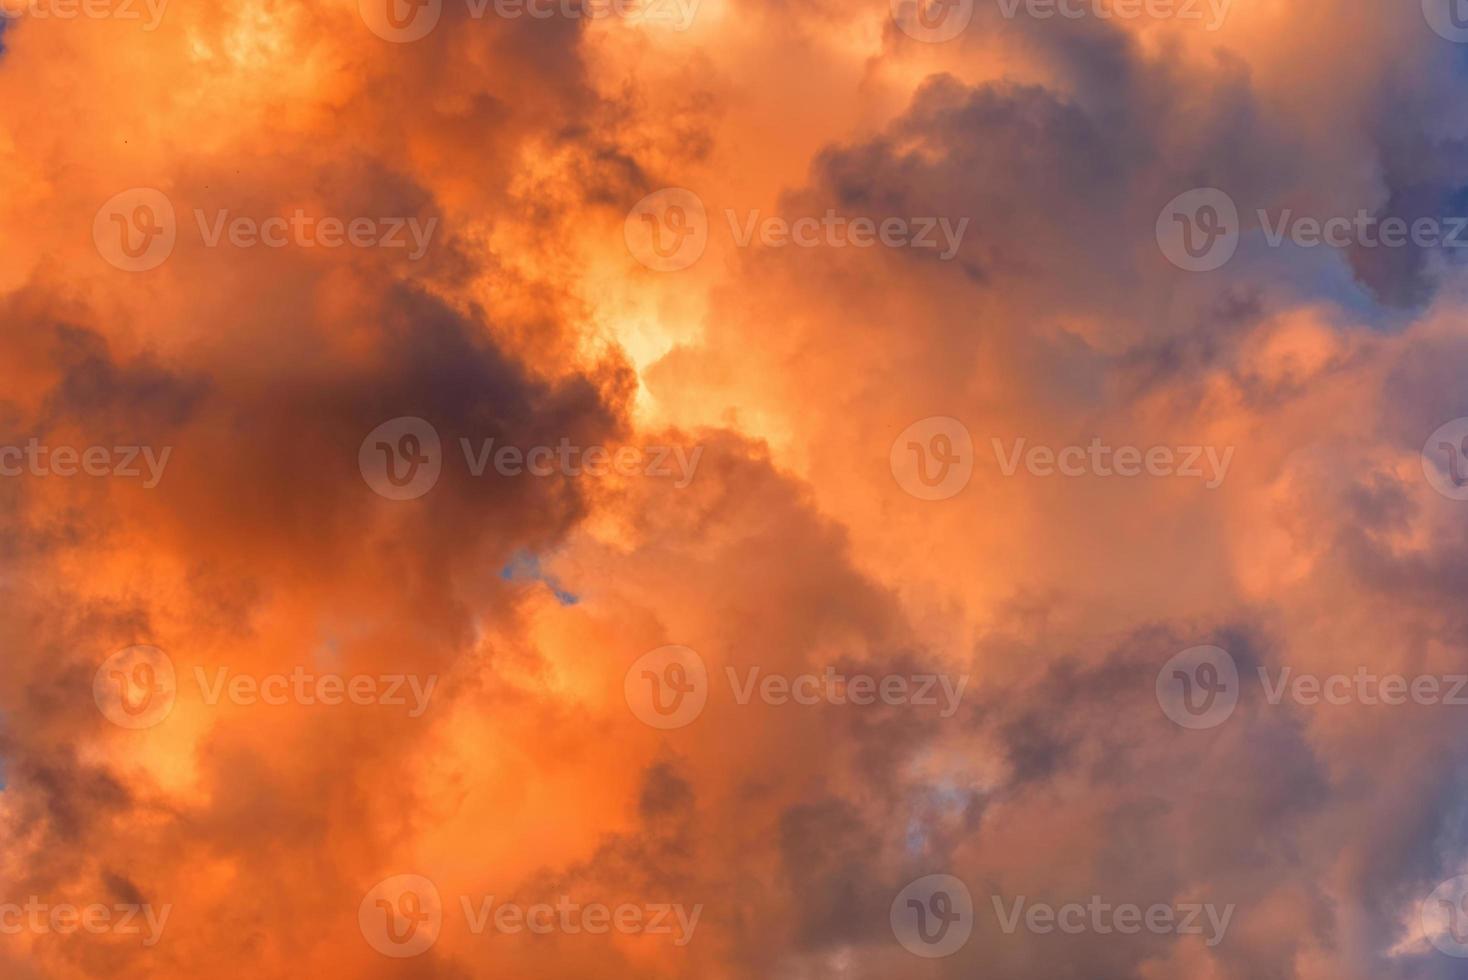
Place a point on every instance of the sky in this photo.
(734, 489)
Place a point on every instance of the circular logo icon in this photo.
(668, 687)
(401, 916)
(1445, 917)
(933, 917)
(136, 687)
(1198, 231)
(933, 458)
(1199, 688)
(667, 230)
(933, 21)
(1445, 459)
(136, 230)
(1449, 18)
(401, 459)
(400, 21)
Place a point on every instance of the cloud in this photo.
(764, 526)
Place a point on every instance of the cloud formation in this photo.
(692, 590)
